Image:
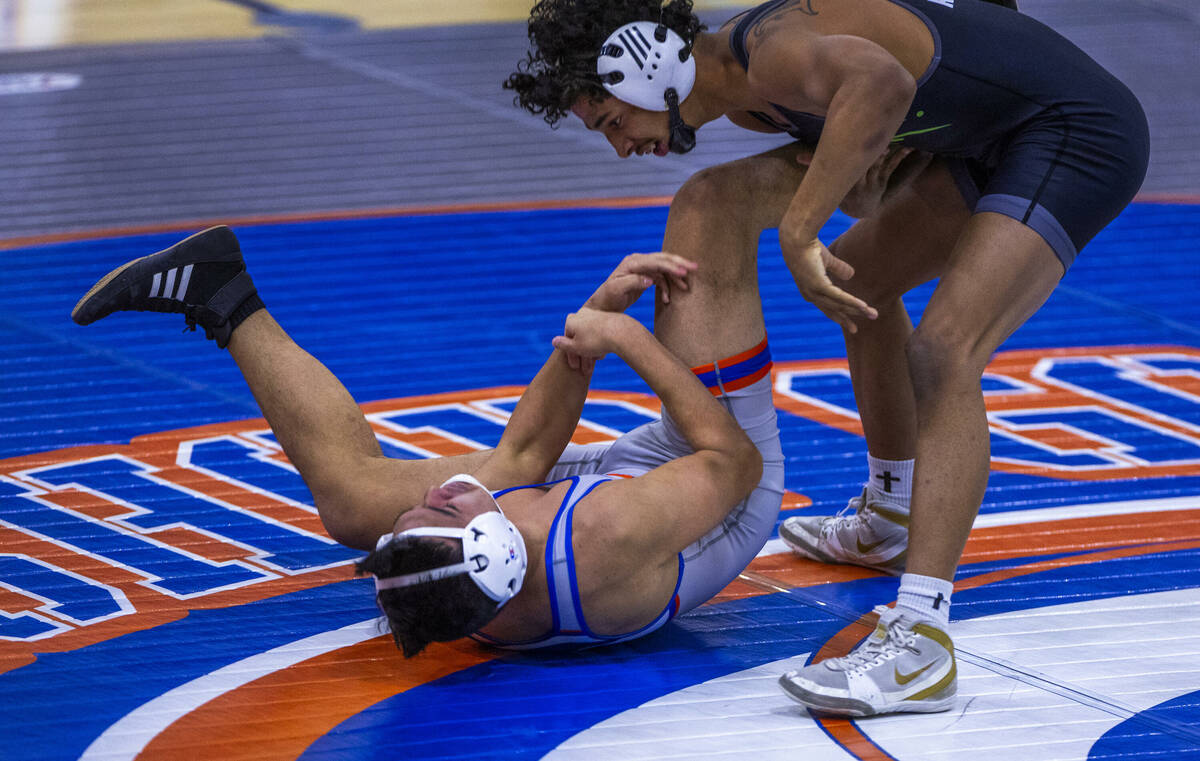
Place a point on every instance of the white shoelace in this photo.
(873, 654)
(844, 517)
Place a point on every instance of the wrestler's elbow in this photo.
(745, 464)
(894, 89)
(889, 89)
(344, 523)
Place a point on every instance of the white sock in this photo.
(891, 481)
(926, 596)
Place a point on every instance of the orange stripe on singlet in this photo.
(744, 381)
(742, 357)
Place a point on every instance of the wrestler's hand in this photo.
(635, 274)
(893, 171)
(811, 265)
(590, 334)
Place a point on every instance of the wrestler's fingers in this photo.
(894, 158)
(843, 314)
(673, 277)
(662, 263)
(833, 298)
(839, 268)
(656, 258)
(571, 349)
(676, 276)
(908, 169)
(634, 282)
(841, 319)
(562, 345)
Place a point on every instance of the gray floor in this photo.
(383, 119)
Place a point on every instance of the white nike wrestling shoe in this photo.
(873, 535)
(906, 666)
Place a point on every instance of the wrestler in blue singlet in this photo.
(570, 626)
(742, 384)
(1033, 128)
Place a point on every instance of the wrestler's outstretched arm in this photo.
(545, 418)
(358, 491)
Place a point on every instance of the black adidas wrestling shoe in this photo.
(202, 277)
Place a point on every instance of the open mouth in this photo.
(655, 147)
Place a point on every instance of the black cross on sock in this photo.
(888, 478)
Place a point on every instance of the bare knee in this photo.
(716, 197)
(942, 361)
(749, 194)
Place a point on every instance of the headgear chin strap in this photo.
(683, 136)
(493, 553)
(650, 66)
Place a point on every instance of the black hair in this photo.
(565, 38)
(433, 611)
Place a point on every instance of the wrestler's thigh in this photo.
(1001, 272)
(907, 242)
(716, 220)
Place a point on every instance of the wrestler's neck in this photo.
(720, 87)
(532, 510)
(527, 615)
(523, 507)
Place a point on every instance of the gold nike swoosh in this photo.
(906, 678)
(863, 549)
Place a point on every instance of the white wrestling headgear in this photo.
(650, 66)
(493, 552)
(642, 60)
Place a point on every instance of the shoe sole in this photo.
(859, 709)
(95, 291)
(77, 312)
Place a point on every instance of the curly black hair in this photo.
(434, 611)
(565, 38)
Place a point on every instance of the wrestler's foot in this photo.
(906, 666)
(873, 535)
(202, 277)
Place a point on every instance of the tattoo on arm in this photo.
(763, 26)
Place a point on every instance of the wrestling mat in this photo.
(167, 592)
